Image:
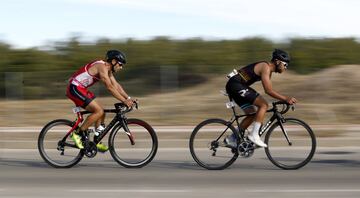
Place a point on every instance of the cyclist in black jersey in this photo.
(239, 90)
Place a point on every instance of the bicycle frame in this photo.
(119, 118)
(276, 116)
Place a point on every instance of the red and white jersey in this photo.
(83, 78)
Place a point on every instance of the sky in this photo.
(35, 23)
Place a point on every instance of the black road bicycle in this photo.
(132, 142)
(291, 142)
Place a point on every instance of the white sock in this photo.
(100, 128)
(256, 129)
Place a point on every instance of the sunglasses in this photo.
(120, 63)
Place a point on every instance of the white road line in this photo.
(130, 190)
(302, 190)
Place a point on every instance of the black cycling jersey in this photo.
(238, 86)
(247, 75)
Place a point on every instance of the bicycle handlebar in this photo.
(121, 107)
(285, 108)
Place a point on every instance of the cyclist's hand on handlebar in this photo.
(291, 100)
(129, 102)
(135, 100)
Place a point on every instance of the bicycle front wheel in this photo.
(295, 152)
(139, 154)
(55, 152)
(207, 145)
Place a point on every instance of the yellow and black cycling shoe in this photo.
(102, 147)
(77, 139)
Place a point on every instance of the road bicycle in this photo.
(291, 142)
(132, 142)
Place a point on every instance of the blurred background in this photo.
(179, 53)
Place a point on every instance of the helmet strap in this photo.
(277, 70)
(112, 66)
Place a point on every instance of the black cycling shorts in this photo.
(243, 95)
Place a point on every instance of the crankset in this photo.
(90, 149)
(246, 148)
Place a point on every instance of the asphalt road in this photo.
(333, 172)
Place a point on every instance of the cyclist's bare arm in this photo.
(105, 78)
(265, 73)
(118, 86)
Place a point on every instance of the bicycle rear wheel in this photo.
(295, 154)
(139, 154)
(207, 146)
(51, 146)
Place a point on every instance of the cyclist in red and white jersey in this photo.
(99, 70)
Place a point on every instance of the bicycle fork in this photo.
(128, 133)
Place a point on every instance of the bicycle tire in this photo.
(300, 141)
(47, 150)
(229, 153)
(118, 140)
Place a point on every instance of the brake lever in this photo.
(136, 104)
(293, 107)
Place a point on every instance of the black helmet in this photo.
(281, 55)
(117, 55)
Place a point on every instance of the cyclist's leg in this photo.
(84, 98)
(100, 121)
(262, 106)
(245, 97)
(240, 94)
(97, 113)
(248, 120)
